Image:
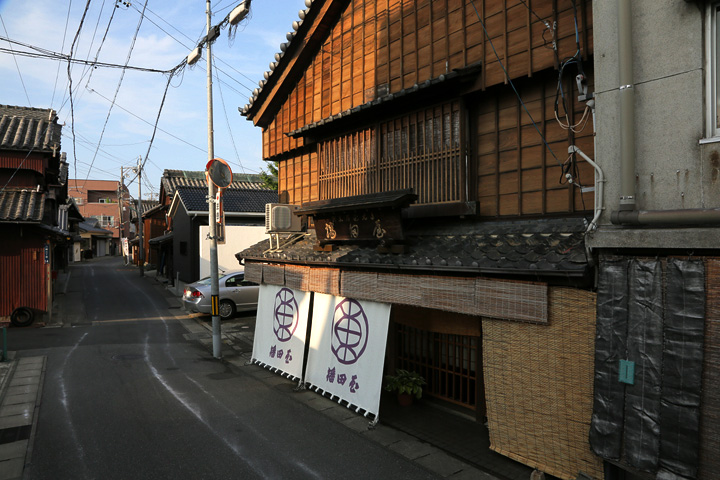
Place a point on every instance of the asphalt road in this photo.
(127, 396)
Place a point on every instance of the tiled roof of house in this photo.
(92, 227)
(21, 205)
(234, 200)
(147, 205)
(172, 179)
(539, 247)
(24, 128)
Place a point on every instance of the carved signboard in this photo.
(370, 226)
(374, 219)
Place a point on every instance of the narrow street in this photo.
(128, 393)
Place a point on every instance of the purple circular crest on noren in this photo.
(285, 315)
(349, 331)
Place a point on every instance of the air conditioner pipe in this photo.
(599, 186)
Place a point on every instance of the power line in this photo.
(57, 72)
(507, 76)
(117, 89)
(102, 42)
(69, 72)
(49, 54)
(145, 121)
(227, 122)
(16, 65)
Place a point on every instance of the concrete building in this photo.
(657, 349)
(99, 199)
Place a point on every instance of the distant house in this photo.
(188, 214)
(148, 206)
(35, 216)
(92, 235)
(104, 201)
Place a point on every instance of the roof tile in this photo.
(21, 205)
(25, 128)
(555, 248)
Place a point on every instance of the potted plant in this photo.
(406, 384)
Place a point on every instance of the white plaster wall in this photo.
(237, 238)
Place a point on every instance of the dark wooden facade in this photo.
(24, 275)
(375, 97)
(480, 140)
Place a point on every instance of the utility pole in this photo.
(214, 281)
(233, 18)
(141, 245)
(121, 189)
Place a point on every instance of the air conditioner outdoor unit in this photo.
(281, 218)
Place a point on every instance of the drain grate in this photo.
(14, 434)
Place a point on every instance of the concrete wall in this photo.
(238, 237)
(673, 170)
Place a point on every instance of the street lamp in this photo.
(235, 16)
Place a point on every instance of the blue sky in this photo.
(166, 35)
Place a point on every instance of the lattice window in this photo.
(421, 151)
(449, 363)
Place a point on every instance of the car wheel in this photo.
(22, 317)
(227, 309)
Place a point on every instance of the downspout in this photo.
(627, 107)
(627, 214)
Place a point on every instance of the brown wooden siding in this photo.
(298, 177)
(516, 173)
(28, 162)
(22, 269)
(383, 46)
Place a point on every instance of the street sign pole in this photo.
(214, 282)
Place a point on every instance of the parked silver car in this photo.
(236, 295)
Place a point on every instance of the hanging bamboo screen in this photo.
(710, 409)
(421, 151)
(539, 386)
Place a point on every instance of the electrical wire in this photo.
(49, 54)
(102, 42)
(149, 123)
(117, 89)
(16, 65)
(227, 122)
(57, 73)
(512, 84)
(69, 73)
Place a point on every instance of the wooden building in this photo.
(427, 144)
(35, 217)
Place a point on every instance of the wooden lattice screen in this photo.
(448, 363)
(421, 151)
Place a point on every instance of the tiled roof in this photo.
(147, 205)
(172, 179)
(24, 128)
(21, 205)
(539, 247)
(234, 200)
(91, 226)
(278, 56)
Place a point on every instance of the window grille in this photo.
(421, 151)
(448, 363)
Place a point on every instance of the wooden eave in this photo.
(449, 85)
(291, 67)
(393, 199)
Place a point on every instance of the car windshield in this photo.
(204, 281)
